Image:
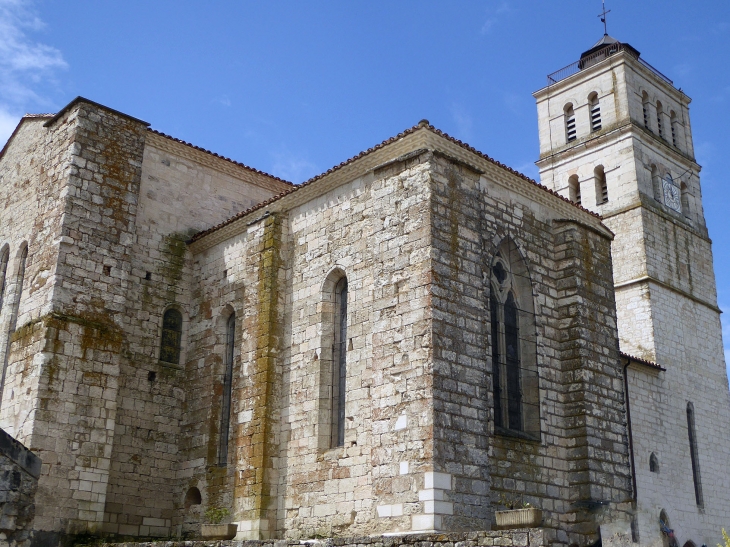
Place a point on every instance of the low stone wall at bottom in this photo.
(19, 472)
(532, 537)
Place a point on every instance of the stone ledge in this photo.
(20, 455)
(532, 537)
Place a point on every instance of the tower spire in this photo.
(602, 15)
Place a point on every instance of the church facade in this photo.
(406, 343)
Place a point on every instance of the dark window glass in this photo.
(512, 343)
(339, 375)
(227, 391)
(693, 453)
(171, 337)
(496, 380)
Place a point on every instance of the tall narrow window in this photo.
(659, 118)
(673, 124)
(645, 109)
(339, 362)
(684, 191)
(172, 323)
(570, 133)
(14, 296)
(595, 109)
(574, 189)
(4, 258)
(227, 390)
(601, 185)
(693, 453)
(514, 366)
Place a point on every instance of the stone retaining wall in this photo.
(505, 538)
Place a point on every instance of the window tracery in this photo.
(514, 366)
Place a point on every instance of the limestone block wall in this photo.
(182, 190)
(32, 169)
(373, 230)
(473, 214)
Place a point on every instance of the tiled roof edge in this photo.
(638, 360)
(81, 99)
(419, 125)
(234, 162)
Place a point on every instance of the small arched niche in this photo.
(653, 463)
(192, 497)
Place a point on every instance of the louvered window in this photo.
(574, 189)
(601, 185)
(570, 132)
(659, 121)
(595, 112)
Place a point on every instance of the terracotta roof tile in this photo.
(421, 124)
(640, 361)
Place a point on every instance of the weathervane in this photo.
(603, 17)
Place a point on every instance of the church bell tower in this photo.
(615, 138)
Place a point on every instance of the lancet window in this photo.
(227, 390)
(692, 433)
(4, 258)
(513, 350)
(339, 364)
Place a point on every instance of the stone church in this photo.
(406, 343)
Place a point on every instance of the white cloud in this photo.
(24, 63)
(492, 16)
(293, 167)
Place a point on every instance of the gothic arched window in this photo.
(514, 358)
(172, 323)
(601, 185)
(693, 453)
(574, 189)
(227, 390)
(595, 109)
(570, 132)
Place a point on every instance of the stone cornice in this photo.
(650, 279)
(217, 163)
(421, 138)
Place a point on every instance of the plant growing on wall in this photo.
(215, 515)
(513, 502)
(726, 538)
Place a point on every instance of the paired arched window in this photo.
(595, 110)
(339, 364)
(653, 463)
(227, 390)
(601, 185)
(570, 130)
(4, 258)
(574, 189)
(514, 359)
(691, 432)
(170, 343)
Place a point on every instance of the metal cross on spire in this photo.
(603, 17)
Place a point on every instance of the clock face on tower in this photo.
(671, 194)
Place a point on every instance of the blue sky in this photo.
(293, 87)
